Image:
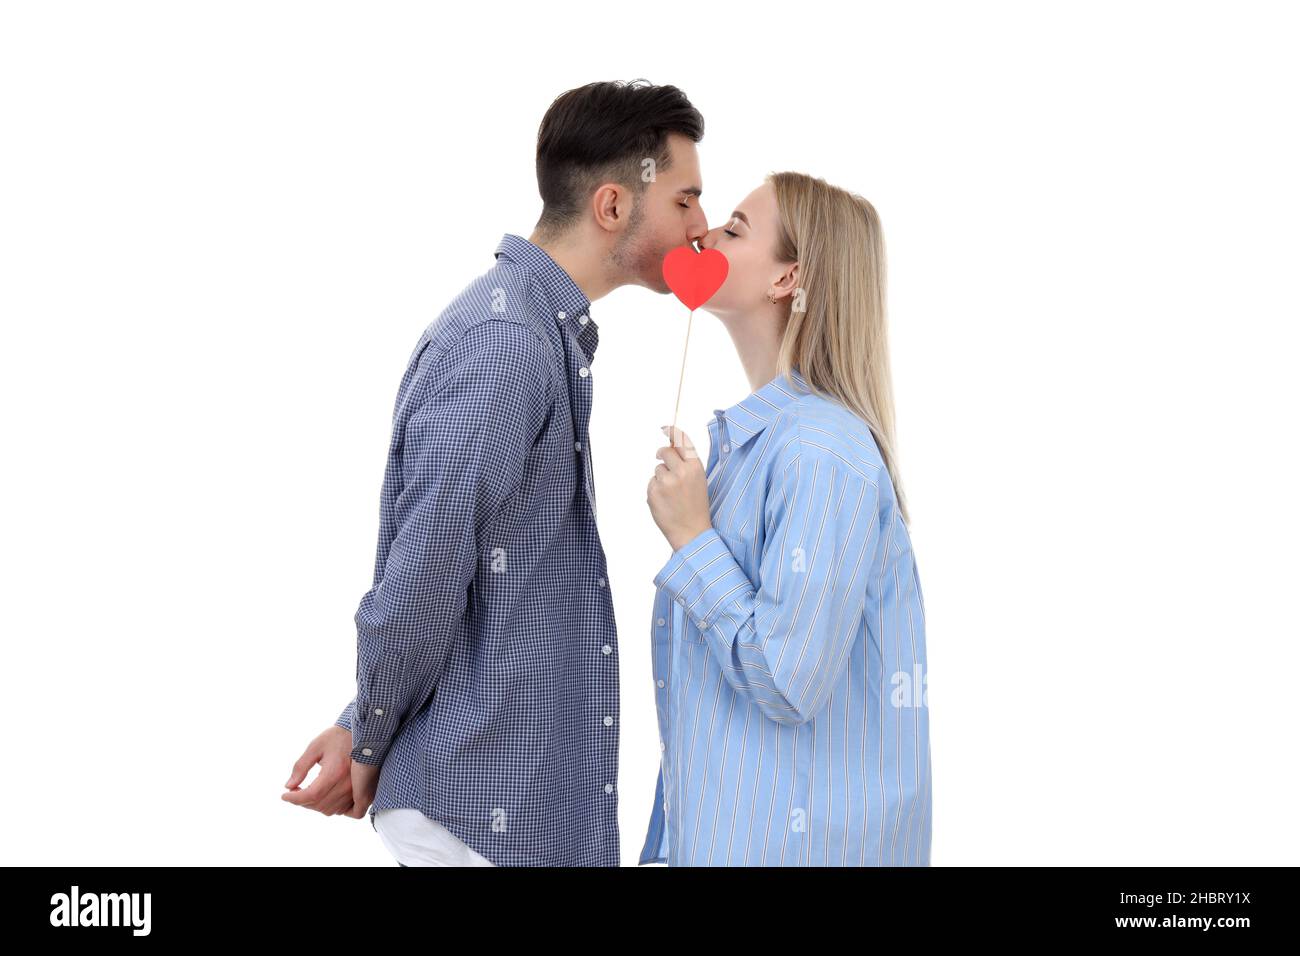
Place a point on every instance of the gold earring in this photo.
(771, 296)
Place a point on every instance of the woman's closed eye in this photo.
(731, 222)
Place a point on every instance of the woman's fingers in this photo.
(680, 440)
(671, 457)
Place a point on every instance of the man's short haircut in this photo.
(602, 132)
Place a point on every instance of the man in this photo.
(485, 726)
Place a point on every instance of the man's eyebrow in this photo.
(737, 214)
(691, 191)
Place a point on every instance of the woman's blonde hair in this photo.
(836, 332)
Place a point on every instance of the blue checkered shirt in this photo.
(487, 660)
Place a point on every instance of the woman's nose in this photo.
(710, 238)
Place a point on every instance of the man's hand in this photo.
(331, 791)
(365, 781)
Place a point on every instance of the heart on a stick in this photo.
(694, 276)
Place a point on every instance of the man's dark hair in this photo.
(602, 132)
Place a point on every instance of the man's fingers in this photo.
(324, 791)
(302, 767)
(308, 798)
(327, 797)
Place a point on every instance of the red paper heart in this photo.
(694, 276)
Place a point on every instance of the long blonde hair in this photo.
(838, 339)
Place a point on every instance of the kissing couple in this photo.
(788, 629)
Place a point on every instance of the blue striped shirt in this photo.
(788, 646)
(487, 661)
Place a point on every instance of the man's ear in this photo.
(788, 282)
(611, 204)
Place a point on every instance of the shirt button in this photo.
(600, 582)
(661, 745)
(726, 448)
(609, 721)
(606, 649)
(682, 601)
(704, 623)
(577, 446)
(559, 315)
(582, 320)
(379, 711)
(660, 622)
(609, 788)
(660, 682)
(366, 751)
(584, 371)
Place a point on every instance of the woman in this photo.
(789, 625)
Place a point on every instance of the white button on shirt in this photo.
(584, 371)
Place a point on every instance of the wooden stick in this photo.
(681, 377)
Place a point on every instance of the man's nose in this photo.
(697, 227)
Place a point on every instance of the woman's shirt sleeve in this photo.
(784, 640)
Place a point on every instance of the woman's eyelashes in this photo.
(730, 222)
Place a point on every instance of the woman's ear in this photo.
(788, 282)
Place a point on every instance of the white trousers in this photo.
(415, 840)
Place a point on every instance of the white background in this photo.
(223, 227)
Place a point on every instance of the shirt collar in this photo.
(751, 415)
(561, 292)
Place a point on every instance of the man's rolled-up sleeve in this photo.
(462, 455)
